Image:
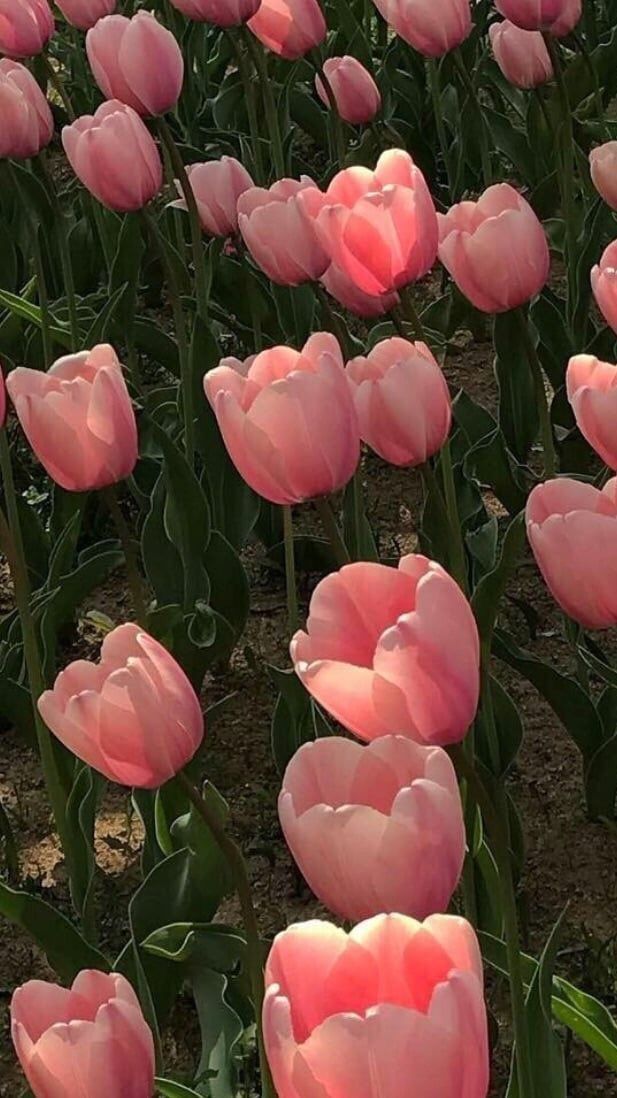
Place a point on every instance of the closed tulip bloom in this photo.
(557, 16)
(83, 14)
(115, 157)
(392, 650)
(572, 529)
(222, 13)
(395, 1009)
(89, 1041)
(2, 399)
(495, 249)
(217, 186)
(402, 400)
(521, 55)
(592, 391)
(604, 284)
(26, 122)
(25, 27)
(603, 167)
(356, 94)
(279, 234)
(136, 61)
(290, 28)
(377, 828)
(134, 716)
(351, 297)
(567, 19)
(78, 418)
(433, 27)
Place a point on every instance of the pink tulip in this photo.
(83, 14)
(217, 186)
(433, 27)
(134, 716)
(572, 528)
(377, 828)
(571, 11)
(25, 27)
(287, 419)
(402, 401)
(115, 157)
(78, 418)
(392, 650)
(356, 94)
(343, 290)
(136, 61)
(379, 228)
(2, 399)
(26, 122)
(604, 284)
(495, 249)
(91, 1041)
(592, 392)
(603, 166)
(222, 13)
(279, 234)
(289, 28)
(521, 55)
(557, 16)
(395, 1009)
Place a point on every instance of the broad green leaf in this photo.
(490, 590)
(32, 313)
(518, 414)
(168, 1089)
(67, 952)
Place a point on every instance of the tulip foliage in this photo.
(241, 242)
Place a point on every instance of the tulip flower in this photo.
(603, 167)
(521, 55)
(572, 529)
(495, 249)
(134, 716)
(2, 400)
(432, 27)
(592, 391)
(392, 650)
(217, 186)
(402, 401)
(83, 14)
(395, 1009)
(26, 122)
(25, 27)
(343, 290)
(558, 17)
(571, 11)
(356, 94)
(89, 1041)
(378, 227)
(222, 13)
(604, 284)
(115, 157)
(279, 234)
(288, 420)
(136, 61)
(78, 418)
(289, 28)
(377, 828)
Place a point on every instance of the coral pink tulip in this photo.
(557, 16)
(495, 249)
(136, 61)
(222, 13)
(343, 290)
(603, 167)
(395, 1009)
(392, 650)
(433, 27)
(402, 401)
(25, 27)
(89, 1041)
(279, 234)
(78, 418)
(377, 828)
(356, 94)
(604, 284)
(592, 392)
(217, 186)
(26, 122)
(572, 528)
(115, 157)
(379, 227)
(289, 28)
(288, 420)
(521, 55)
(134, 716)
(83, 14)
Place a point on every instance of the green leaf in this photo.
(162, 561)
(296, 719)
(67, 952)
(168, 1089)
(32, 313)
(490, 590)
(601, 781)
(229, 585)
(518, 413)
(125, 273)
(111, 312)
(80, 819)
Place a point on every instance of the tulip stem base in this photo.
(272, 119)
(332, 531)
(546, 428)
(130, 554)
(290, 569)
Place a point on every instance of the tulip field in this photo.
(308, 548)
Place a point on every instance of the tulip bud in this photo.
(217, 186)
(521, 55)
(592, 391)
(136, 61)
(289, 28)
(222, 13)
(604, 284)
(355, 92)
(26, 122)
(433, 27)
(25, 27)
(83, 14)
(603, 166)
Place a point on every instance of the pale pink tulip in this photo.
(83, 14)
(569, 16)
(78, 418)
(2, 399)
(521, 55)
(26, 122)
(392, 650)
(395, 1009)
(136, 61)
(288, 420)
(356, 94)
(217, 186)
(433, 27)
(351, 297)
(603, 167)
(557, 16)
(604, 284)
(89, 1041)
(377, 828)
(134, 716)
(289, 28)
(572, 528)
(222, 13)
(279, 234)
(378, 227)
(115, 157)
(402, 401)
(25, 27)
(592, 392)
(495, 249)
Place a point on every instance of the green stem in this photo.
(331, 530)
(62, 237)
(244, 68)
(197, 248)
(58, 84)
(432, 66)
(358, 511)
(591, 69)
(567, 168)
(333, 322)
(546, 429)
(487, 172)
(457, 549)
(411, 313)
(43, 296)
(290, 569)
(272, 118)
(130, 554)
